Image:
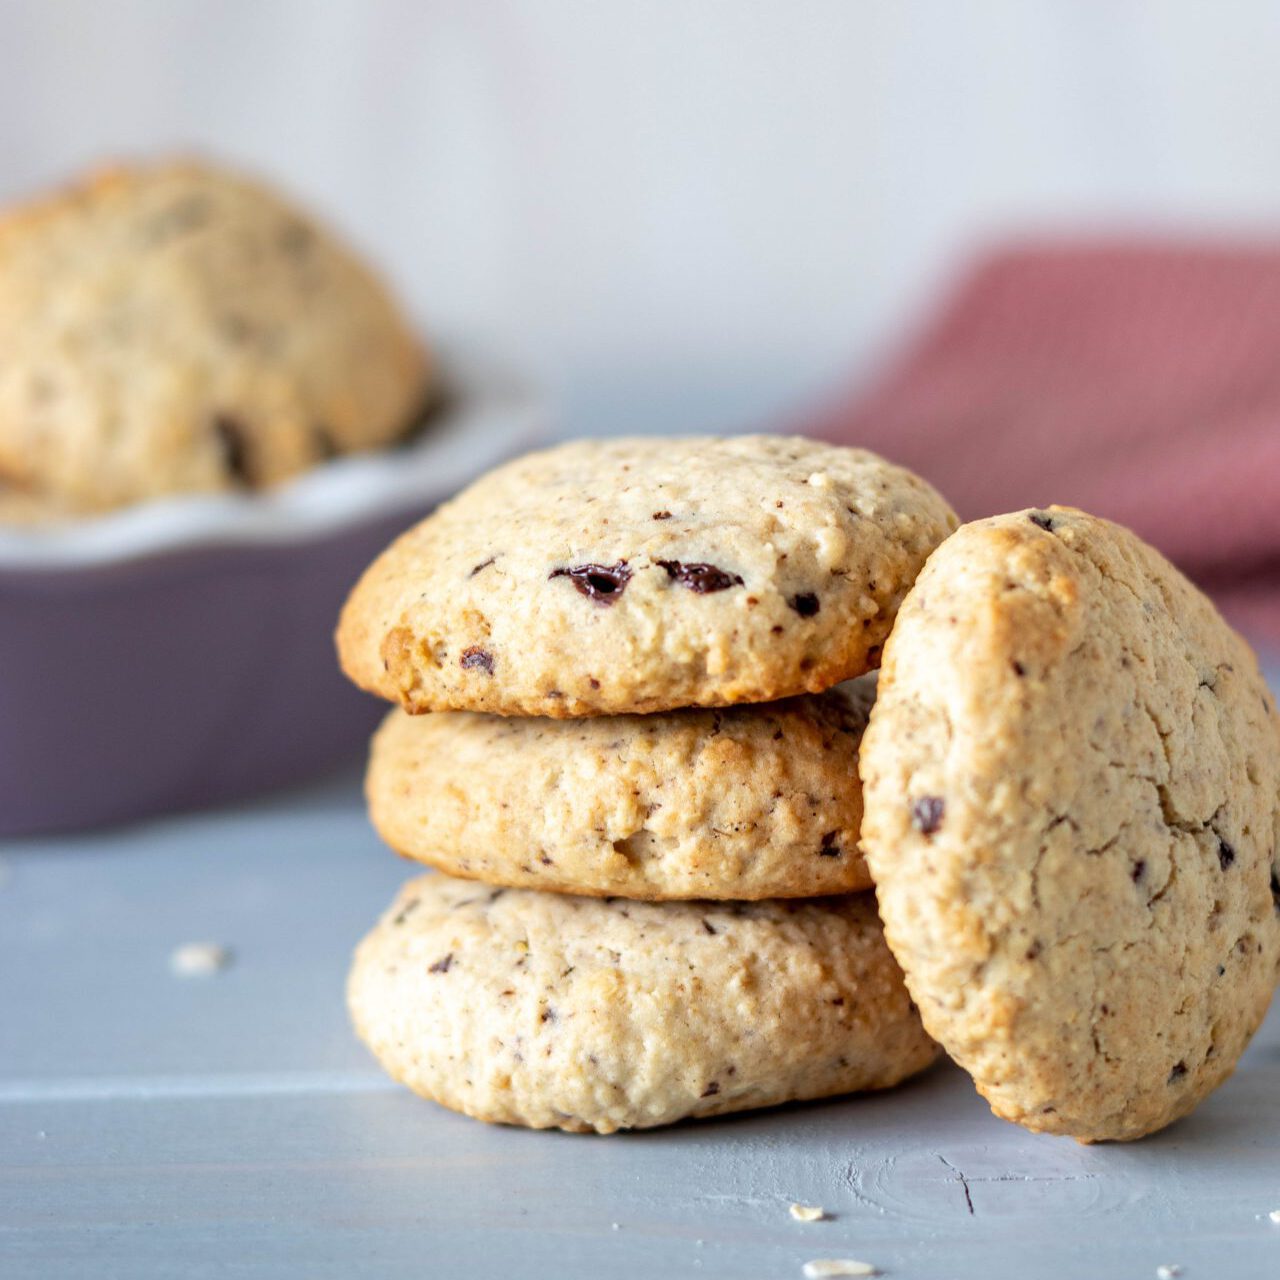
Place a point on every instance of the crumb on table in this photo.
(199, 959)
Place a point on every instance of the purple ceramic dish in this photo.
(180, 654)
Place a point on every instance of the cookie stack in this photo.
(1069, 798)
(668, 920)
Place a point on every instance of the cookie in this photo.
(20, 508)
(747, 802)
(642, 575)
(1072, 814)
(586, 1013)
(176, 328)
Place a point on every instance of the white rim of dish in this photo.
(492, 412)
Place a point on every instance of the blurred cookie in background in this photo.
(180, 351)
(177, 328)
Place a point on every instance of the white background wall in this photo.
(683, 214)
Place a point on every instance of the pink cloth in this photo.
(1141, 383)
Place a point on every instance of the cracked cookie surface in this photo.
(177, 328)
(600, 1014)
(605, 577)
(1072, 812)
(745, 802)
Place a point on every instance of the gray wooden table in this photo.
(152, 1125)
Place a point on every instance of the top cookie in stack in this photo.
(643, 575)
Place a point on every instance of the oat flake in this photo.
(808, 1212)
(821, 1267)
(199, 959)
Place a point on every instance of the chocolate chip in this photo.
(837, 1000)
(1179, 1070)
(323, 444)
(545, 860)
(484, 564)
(1226, 854)
(406, 911)
(1275, 889)
(1034, 949)
(1138, 870)
(599, 582)
(829, 847)
(236, 328)
(711, 1090)
(477, 659)
(709, 927)
(926, 814)
(1019, 669)
(662, 515)
(1043, 521)
(233, 440)
(442, 965)
(296, 237)
(806, 604)
(700, 578)
(184, 215)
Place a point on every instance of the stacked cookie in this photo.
(1069, 798)
(668, 921)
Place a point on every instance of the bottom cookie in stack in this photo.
(551, 1010)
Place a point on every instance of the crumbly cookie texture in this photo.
(1072, 813)
(599, 1014)
(177, 328)
(642, 575)
(745, 802)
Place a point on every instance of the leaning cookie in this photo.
(176, 328)
(748, 802)
(645, 575)
(1073, 819)
(589, 1014)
